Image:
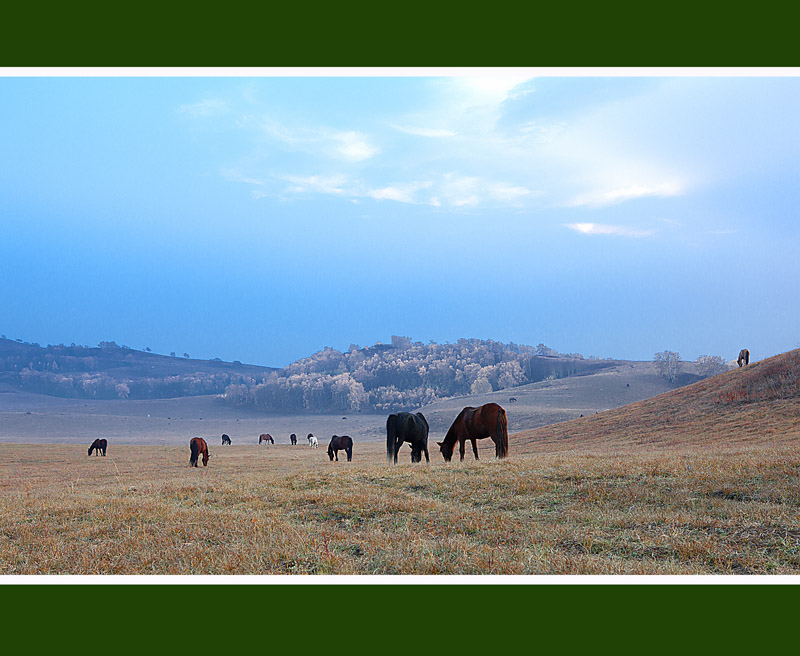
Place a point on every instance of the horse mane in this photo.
(451, 436)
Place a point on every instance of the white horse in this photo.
(312, 441)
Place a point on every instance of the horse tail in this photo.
(391, 432)
(502, 430)
(193, 447)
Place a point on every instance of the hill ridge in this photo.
(758, 402)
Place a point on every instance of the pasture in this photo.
(727, 509)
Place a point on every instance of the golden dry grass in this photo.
(142, 510)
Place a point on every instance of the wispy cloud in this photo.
(353, 146)
(347, 145)
(622, 194)
(333, 184)
(603, 229)
(405, 193)
(433, 133)
(205, 108)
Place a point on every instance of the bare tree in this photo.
(668, 364)
(711, 365)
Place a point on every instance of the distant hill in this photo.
(406, 375)
(402, 375)
(760, 402)
(110, 371)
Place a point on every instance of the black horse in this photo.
(340, 443)
(293, 438)
(405, 427)
(226, 439)
(98, 446)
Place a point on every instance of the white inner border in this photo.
(400, 579)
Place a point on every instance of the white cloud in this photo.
(345, 145)
(334, 184)
(602, 229)
(400, 193)
(622, 194)
(354, 146)
(432, 133)
(205, 108)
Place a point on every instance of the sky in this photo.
(264, 218)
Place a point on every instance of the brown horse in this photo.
(474, 424)
(744, 357)
(98, 446)
(265, 437)
(198, 446)
(340, 443)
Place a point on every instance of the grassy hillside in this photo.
(760, 402)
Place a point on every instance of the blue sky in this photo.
(261, 219)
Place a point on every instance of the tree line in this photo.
(403, 374)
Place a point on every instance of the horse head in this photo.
(447, 450)
(330, 451)
(206, 456)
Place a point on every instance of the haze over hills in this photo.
(378, 378)
(567, 387)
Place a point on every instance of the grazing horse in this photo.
(226, 439)
(198, 446)
(293, 438)
(265, 437)
(312, 441)
(474, 424)
(340, 443)
(744, 357)
(405, 427)
(98, 446)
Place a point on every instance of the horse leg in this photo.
(427, 459)
(461, 445)
(475, 448)
(397, 444)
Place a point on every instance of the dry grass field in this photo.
(702, 480)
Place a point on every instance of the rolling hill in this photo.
(758, 403)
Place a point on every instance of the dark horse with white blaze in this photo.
(475, 424)
(406, 427)
(340, 443)
(98, 446)
(226, 439)
(744, 357)
(198, 446)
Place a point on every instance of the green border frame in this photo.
(395, 619)
(413, 33)
(399, 619)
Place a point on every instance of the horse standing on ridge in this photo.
(744, 357)
(293, 438)
(312, 441)
(226, 439)
(265, 437)
(475, 424)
